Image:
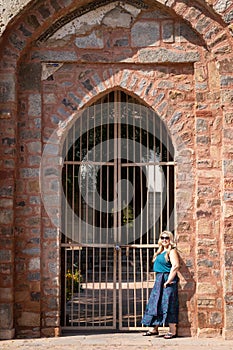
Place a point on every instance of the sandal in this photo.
(169, 335)
(149, 333)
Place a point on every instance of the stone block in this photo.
(221, 5)
(228, 281)
(228, 211)
(55, 56)
(6, 294)
(206, 302)
(162, 55)
(34, 264)
(202, 319)
(168, 31)
(7, 88)
(229, 258)
(6, 203)
(229, 316)
(34, 102)
(7, 334)
(33, 276)
(204, 226)
(29, 172)
(6, 216)
(26, 72)
(92, 41)
(34, 147)
(209, 332)
(51, 332)
(29, 319)
(21, 297)
(229, 118)
(5, 255)
(215, 318)
(118, 17)
(33, 186)
(6, 316)
(227, 334)
(206, 288)
(202, 125)
(145, 34)
(202, 24)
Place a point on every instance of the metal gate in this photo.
(118, 194)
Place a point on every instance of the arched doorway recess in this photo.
(118, 183)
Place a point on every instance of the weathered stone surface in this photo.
(55, 56)
(222, 5)
(145, 34)
(164, 55)
(229, 320)
(6, 216)
(7, 88)
(206, 288)
(34, 105)
(92, 41)
(209, 332)
(117, 17)
(30, 319)
(229, 258)
(26, 72)
(6, 316)
(34, 264)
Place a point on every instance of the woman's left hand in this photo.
(165, 284)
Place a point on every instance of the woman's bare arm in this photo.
(174, 259)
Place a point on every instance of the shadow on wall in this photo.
(187, 289)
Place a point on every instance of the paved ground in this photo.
(116, 341)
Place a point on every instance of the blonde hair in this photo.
(171, 246)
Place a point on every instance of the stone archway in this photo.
(195, 119)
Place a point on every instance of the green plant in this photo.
(73, 283)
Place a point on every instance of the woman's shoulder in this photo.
(174, 251)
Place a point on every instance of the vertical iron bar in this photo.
(134, 288)
(65, 294)
(86, 281)
(141, 177)
(72, 287)
(161, 193)
(93, 288)
(80, 182)
(73, 181)
(80, 284)
(148, 199)
(100, 284)
(127, 169)
(114, 287)
(120, 288)
(141, 275)
(167, 194)
(115, 169)
(119, 211)
(128, 286)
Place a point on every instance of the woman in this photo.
(163, 305)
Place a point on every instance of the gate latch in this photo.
(117, 247)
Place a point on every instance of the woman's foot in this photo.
(150, 333)
(169, 335)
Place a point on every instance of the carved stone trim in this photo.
(81, 11)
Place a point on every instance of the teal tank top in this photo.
(161, 264)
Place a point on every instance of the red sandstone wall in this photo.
(187, 80)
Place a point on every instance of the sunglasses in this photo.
(164, 237)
